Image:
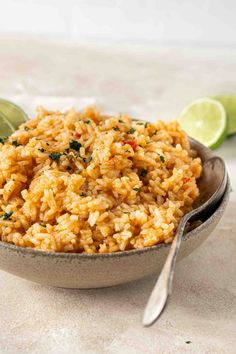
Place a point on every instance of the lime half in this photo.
(15, 115)
(6, 128)
(205, 120)
(229, 103)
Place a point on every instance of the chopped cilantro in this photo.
(140, 123)
(75, 145)
(120, 121)
(55, 156)
(145, 125)
(131, 131)
(15, 143)
(26, 129)
(87, 121)
(143, 172)
(88, 159)
(162, 158)
(42, 224)
(116, 129)
(126, 212)
(136, 189)
(188, 342)
(3, 140)
(83, 194)
(67, 150)
(47, 144)
(6, 216)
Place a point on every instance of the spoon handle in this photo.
(159, 296)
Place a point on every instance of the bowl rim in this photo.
(138, 251)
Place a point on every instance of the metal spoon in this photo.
(211, 185)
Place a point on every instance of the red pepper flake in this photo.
(186, 179)
(132, 143)
(78, 135)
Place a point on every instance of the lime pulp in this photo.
(14, 114)
(229, 103)
(6, 128)
(205, 120)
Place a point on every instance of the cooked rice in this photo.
(125, 185)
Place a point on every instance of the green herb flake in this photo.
(188, 342)
(83, 194)
(42, 224)
(126, 212)
(55, 156)
(88, 159)
(47, 144)
(137, 189)
(120, 121)
(87, 121)
(140, 123)
(15, 143)
(6, 216)
(143, 172)
(42, 150)
(131, 131)
(75, 145)
(3, 140)
(162, 158)
(26, 129)
(116, 129)
(145, 125)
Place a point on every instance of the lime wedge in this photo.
(13, 113)
(6, 128)
(205, 120)
(229, 103)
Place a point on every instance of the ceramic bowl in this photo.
(83, 271)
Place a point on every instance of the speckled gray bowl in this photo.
(100, 270)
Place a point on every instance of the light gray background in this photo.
(206, 22)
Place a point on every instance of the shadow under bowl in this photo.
(83, 271)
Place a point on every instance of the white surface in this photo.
(183, 21)
(153, 83)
